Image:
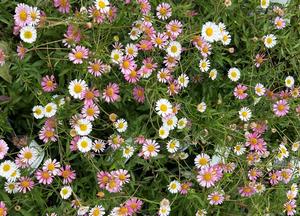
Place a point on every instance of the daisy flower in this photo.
(150, 148)
(67, 174)
(159, 40)
(83, 127)
(163, 75)
(295, 146)
(183, 80)
(25, 184)
(35, 15)
(225, 38)
(164, 210)
(245, 114)
(98, 146)
(28, 155)
(122, 175)
(174, 187)
(131, 50)
(264, 4)
(102, 5)
(213, 74)
(11, 187)
(290, 207)
(174, 28)
(78, 54)
(50, 110)
(279, 23)
(121, 125)
(133, 205)
(28, 34)
(84, 144)
(134, 34)
(128, 152)
(116, 56)
(145, 6)
(174, 49)
(127, 64)
(52, 166)
(47, 134)
(259, 59)
(260, 90)
(163, 11)
(163, 132)
(97, 211)
(269, 40)
(234, 74)
(204, 65)
(63, 6)
(76, 88)
(173, 145)
(289, 82)
(113, 185)
(3, 149)
(3, 209)
(22, 15)
(44, 177)
(201, 107)
(182, 123)
(207, 177)
(281, 108)
(96, 68)
(66, 192)
(239, 149)
(210, 32)
(139, 94)
(247, 191)
(7, 168)
(163, 107)
(111, 92)
(215, 198)
(90, 112)
(170, 121)
(48, 83)
(202, 160)
(239, 92)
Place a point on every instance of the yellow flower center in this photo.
(209, 31)
(27, 34)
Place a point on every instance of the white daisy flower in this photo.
(7, 168)
(174, 49)
(213, 74)
(295, 146)
(35, 15)
(163, 107)
(173, 145)
(14, 176)
(245, 114)
(28, 155)
(174, 187)
(121, 125)
(116, 56)
(76, 87)
(270, 40)
(11, 187)
(135, 33)
(83, 127)
(128, 152)
(182, 123)
(239, 149)
(83, 210)
(170, 121)
(28, 34)
(84, 144)
(260, 90)
(164, 211)
(163, 132)
(222, 27)
(202, 160)
(38, 112)
(234, 74)
(283, 151)
(264, 4)
(201, 107)
(102, 5)
(50, 110)
(260, 187)
(210, 32)
(97, 211)
(225, 38)
(204, 65)
(289, 82)
(183, 80)
(66, 192)
(98, 146)
(150, 148)
(131, 50)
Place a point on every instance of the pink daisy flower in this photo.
(274, 177)
(90, 112)
(170, 62)
(78, 54)
(247, 191)
(63, 6)
(173, 88)
(281, 108)
(52, 166)
(113, 185)
(259, 59)
(205, 49)
(48, 83)
(148, 29)
(164, 75)
(163, 11)
(3, 149)
(145, 6)
(185, 187)
(111, 92)
(112, 14)
(139, 94)
(3, 209)
(206, 177)
(25, 184)
(286, 175)
(122, 175)
(21, 50)
(259, 127)
(127, 65)
(279, 23)
(140, 140)
(2, 57)
(73, 143)
(103, 178)
(255, 142)
(239, 92)
(90, 96)
(133, 205)
(132, 76)
(72, 36)
(44, 177)
(215, 198)
(47, 134)
(145, 45)
(115, 141)
(96, 68)
(254, 174)
(159, 40)
(97, 15)
(290, 207)
(148, 65)
(174, 28)
(22, 15)
(67, 174)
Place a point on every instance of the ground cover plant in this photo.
(139, 107)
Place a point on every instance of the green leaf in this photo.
(4, 73)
